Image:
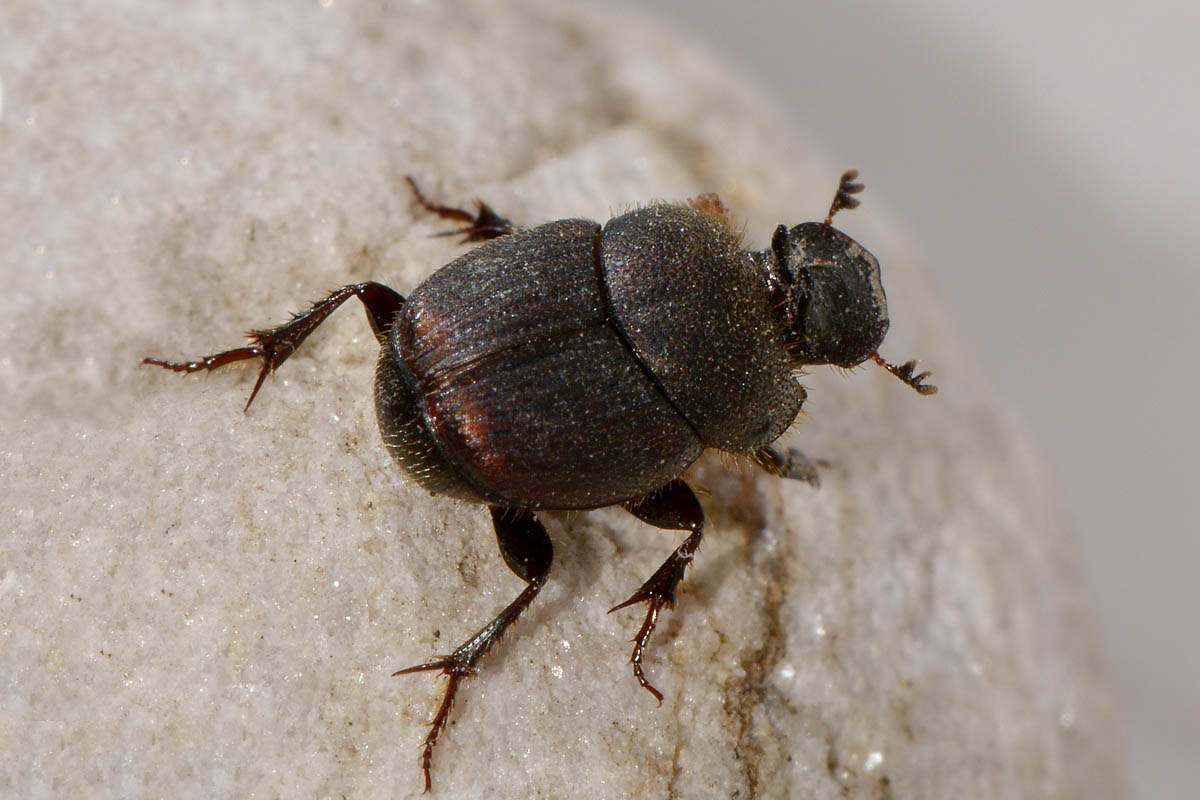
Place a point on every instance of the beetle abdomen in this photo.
(398, 402)
(569, 421)
(523, 386)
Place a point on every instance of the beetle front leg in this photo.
(674, 507)
(276, 345)
(790, 463)
(526, 548)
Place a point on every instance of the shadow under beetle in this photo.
(576, 366)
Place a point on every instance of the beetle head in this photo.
(827, 288)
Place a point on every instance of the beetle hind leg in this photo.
(483, 225)
(528, 552)
(674, 507)
(276, 345)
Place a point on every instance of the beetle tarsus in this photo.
(526, 548)
(439, 719)
(455, 667)
(905, 373)
(655, 603)
(481, 226)
(844, 197)
(674, 507)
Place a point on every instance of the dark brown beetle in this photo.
(575, 366)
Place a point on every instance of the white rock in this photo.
(197, 602)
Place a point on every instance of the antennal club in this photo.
(845, 198)
(905, 373)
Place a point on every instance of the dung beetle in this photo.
(576, 365)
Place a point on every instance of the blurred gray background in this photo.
(1044, 155)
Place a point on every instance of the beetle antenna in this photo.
(905, 373)
(844, 198)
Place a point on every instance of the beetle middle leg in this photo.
(674, 507)
(481, 226)
(276, 345)
(526, 548)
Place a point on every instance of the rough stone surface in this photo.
(197, 602)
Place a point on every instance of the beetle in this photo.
(576, 365)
